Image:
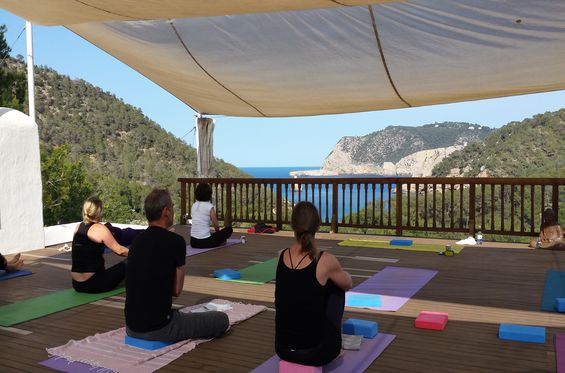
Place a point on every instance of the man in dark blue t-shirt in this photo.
(155, 273)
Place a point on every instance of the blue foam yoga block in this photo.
(366, 328)
(145, 344)
(560, 304)
(401, 242)
(227, 274)
(363, 300)
(522, 333)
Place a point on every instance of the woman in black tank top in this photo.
(88, 272)
(309, 296)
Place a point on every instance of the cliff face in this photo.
(406, 151)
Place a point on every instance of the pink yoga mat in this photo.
(109, 351)
(192, 251)
(560, 352)
(395, 285)
(349, 362)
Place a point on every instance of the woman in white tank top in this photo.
(203, 213)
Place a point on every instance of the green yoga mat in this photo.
(430, 247)
(259, 273)
(15, 313)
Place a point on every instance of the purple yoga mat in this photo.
(64, 365)
(192, 251)
(560, 352)
(395, 285)
(349, 362)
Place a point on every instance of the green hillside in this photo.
(534, 147)
(94, 143)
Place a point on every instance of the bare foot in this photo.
(14, 266)
(15, 259)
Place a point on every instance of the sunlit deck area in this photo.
(480, 288)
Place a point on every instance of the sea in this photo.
(283, 172)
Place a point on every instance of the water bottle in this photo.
(480, 237)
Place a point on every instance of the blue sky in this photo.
(259, 142)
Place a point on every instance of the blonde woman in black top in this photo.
(309, 295)
(88, 272)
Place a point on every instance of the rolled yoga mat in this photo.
(192, 251)
(259, 273)
(395, 285)
(349, 362)
(560, 352)
(63, 365)
(15, 313)
(426, 247)
(9, 275)
(554, 288)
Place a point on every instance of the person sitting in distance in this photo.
(203, 212)
(88, 272)
(155, 273)
(309, 295)
(12, 265)
(551, 233)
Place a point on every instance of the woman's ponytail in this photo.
(305, 223)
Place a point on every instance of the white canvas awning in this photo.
(319, 57)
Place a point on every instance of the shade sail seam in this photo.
(104, 10)
(383, 59)
(207, 73)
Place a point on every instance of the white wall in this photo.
(21, 209)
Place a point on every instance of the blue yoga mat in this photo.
(8, 275)
(554, 288)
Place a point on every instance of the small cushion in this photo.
(431, 320)
(288, 367)
(522, 333)
(145, 344)
(366, 328)
(227, 274)
(398, 242)
(351, 342)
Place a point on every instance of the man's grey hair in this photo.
(155, 202)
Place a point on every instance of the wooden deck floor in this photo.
(480, 288)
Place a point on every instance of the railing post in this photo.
(398, 209)
(228, 213)
(182, 202)
(555, 198)
(279, 206)
(335, 208)
(472, 209)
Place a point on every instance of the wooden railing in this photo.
(505, 206)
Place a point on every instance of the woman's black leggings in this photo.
(103, 281)
(330, 347)
(216, 239)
